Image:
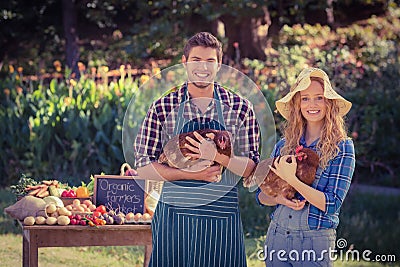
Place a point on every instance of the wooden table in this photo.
(37, 236)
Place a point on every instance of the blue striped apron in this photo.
(198, 223)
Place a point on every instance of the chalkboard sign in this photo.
(122, 193)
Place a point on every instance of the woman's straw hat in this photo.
(303, 82)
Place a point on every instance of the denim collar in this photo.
(313, 145)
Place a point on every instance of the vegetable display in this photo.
(68, 205)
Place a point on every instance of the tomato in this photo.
(96, 214)
(102, 209)
(131, 172)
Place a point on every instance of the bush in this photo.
(66, 130)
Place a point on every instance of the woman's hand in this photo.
(203, 148)
(279, 199)
(284, 169)
(294, 204)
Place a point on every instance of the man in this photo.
(197, 220)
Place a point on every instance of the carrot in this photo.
(34, 192)
(42, 190)
(31, 187)
(43, 194)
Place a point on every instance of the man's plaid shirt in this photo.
(160, 121)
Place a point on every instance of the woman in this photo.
(302, 233)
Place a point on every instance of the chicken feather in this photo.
(175, 153)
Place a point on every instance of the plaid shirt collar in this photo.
(221, 92)
(313, 145)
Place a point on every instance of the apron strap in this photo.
(219, 107)
(180, 118)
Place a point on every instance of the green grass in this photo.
(364, 224)
(11, 255)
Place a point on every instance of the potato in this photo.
(76, 202)
(64, 211)
(51, 208)
(40, 220)
(80, 209)
(51, 220)
(29, 220)
(63, 220)
(87, 202)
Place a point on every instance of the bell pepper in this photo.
(82, 191)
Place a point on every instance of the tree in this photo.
(44, 30)
(71, 34)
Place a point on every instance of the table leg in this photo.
(25, 249)
(33, 249)
(147, 254)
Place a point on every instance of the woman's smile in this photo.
(313, 111)
(312, 103)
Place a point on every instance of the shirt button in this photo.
(287, 232)
(290, 216)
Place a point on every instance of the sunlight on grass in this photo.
(11, 255)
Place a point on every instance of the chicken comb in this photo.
(298, 149)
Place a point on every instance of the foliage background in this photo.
(66, 125)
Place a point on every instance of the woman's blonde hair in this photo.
(333, 131)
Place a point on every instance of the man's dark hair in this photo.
(204, 39)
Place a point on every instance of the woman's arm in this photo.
(328, 199)
(339, 174)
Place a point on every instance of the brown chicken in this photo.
(175, 153)
(272, 185)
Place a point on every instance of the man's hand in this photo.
(202, 148)
(199, 166)
(160, 172)
(204, 173)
